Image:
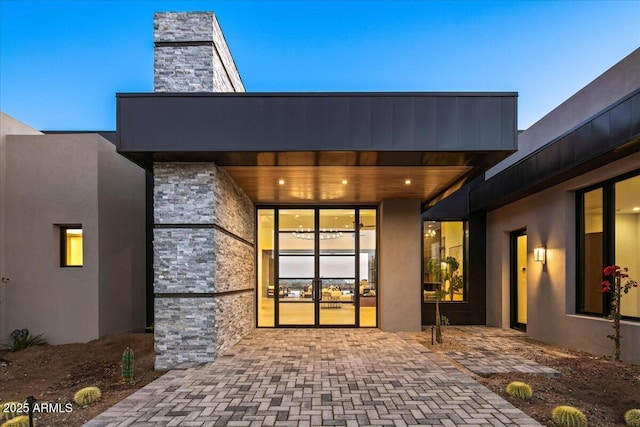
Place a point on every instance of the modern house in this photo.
(358, 209)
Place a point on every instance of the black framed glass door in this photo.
(318, 267)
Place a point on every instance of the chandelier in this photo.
(322, 235)
(430, 233)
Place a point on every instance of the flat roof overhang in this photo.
(316, 140)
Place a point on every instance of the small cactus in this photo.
(21, 421)
(87, 396)
(127, 364)
(8, 410)
(520, 390)
(632, 417)
(568, 416)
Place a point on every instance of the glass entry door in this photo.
(316, 267)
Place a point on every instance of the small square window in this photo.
(71, 243)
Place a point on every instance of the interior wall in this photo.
(549, 217)
(400, 265)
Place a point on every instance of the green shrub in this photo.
(568, 416)
(23, 339)
(21, 421)
(8, 410)
(520, 390)
(632, 417)
(87, 396)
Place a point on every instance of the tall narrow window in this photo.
(593, 252)
(71, 246)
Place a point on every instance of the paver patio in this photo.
(317, 377)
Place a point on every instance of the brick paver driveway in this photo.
(317, 377)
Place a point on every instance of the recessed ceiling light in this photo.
(407, 182)
(637, 208)
(344, 182)
(281, 182)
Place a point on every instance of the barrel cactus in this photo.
(568, 416)
(11, 410)
(632, 417)
(520, 390)
(87, 396)
(127, 364)
(20, 421)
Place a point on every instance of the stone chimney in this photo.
(191, 54)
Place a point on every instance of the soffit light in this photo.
(281, 182)
(407, 182)
(636, 209)
(540, 254)
(345, 182)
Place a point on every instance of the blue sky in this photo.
(61, 62)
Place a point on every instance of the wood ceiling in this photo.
(365, 184)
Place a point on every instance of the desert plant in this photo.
(22, 339)
(127, 364)
(21, 421)
(632, 417)
(568, 416)
(87, 396)
(618, 284)
(11, 410)
(520, 390)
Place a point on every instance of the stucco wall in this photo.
(51, 180)
(8, 126)
(549, 217)
(399, 265)
(121, 219)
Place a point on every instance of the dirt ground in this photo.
(603, 389)
(53, 373)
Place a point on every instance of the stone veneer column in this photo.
(203, 263)
(203, 239)
(191, 54)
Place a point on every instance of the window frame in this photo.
(63, 244)
(608, 239)
(464, 264)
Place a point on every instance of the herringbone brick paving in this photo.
(317, 377)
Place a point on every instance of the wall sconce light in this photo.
(540, 254)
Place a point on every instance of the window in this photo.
(444, 249)
(71, 243)
(608, 233)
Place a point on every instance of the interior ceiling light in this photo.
(281, 182)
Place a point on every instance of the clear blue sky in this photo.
(61, 62)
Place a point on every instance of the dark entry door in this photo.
(519, 279)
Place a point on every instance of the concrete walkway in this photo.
(317, 377)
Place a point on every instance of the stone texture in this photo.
(190, 64)
(234, 263)
(234, 319)
(184, 331)
(183, 260)
(183, 193)
(233, 209)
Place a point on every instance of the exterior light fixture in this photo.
(540, 254)
(407, 182)
(281, 182)
(636, 209)
(345, 182)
